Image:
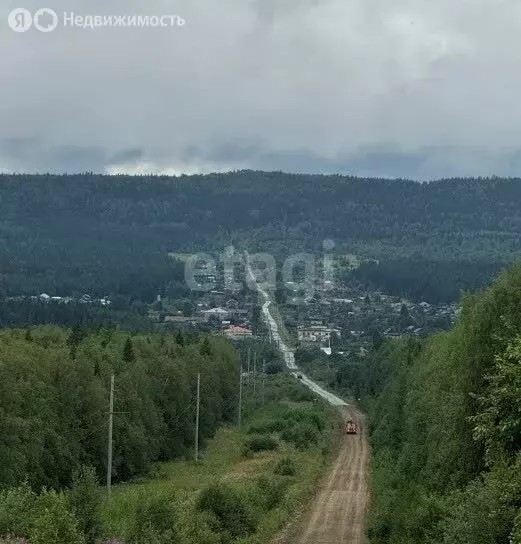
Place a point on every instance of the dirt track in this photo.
(337, 514)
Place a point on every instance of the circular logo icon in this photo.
(20, 20)
(45, 20)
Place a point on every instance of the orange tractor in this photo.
(351, 427)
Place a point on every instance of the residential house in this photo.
(238, 333)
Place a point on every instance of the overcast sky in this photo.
(412, 88)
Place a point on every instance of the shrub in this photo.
(301, 393)
(272, 491)
(267, 427)
(311, 416)
(303, 435)
(195, 526)
(55, 523)
(286, 467)
(17, 510)
(233, 515)
(260, 443)
(155, 520)
(85, 499)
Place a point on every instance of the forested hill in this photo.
(104, 234)
(446, 427)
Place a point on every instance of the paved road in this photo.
(287, 352)
(337, 515)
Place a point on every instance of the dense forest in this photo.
(446, 427)
(111, 235)
(420, 279)
(54, 393)
(23, 312)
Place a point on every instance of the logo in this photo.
(44, 20)
(20, 20)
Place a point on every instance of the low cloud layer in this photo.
(372, 87)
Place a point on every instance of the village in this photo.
(336, 317)
(333, 316)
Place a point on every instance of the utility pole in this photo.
(254, 372)
(111, 426)
(249, 364)
(197, 417)
(263, 381)
(240, 399)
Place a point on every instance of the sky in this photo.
(391, 88)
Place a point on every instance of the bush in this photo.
(311, 416)
(55, 524)
(275, 367)
(301, 426)
(155, 520)
(195, 526)
(85, 499)
(267, 427)
(300, 393)
(17, 510)
(260, 443)
(303, 435)
(272, 491)
(286, 467)
(233, 515)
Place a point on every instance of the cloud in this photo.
(402, 88)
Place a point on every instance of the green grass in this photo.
(224, 461)
(222, 456)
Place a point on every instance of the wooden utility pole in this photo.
(111, 426)
(197, 417)
(240, 400)
(254, 372)
(263, 381)
(249, 365)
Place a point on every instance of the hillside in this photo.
(446, 427)
(105, 235)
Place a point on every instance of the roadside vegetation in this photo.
(250, 481)
(446, 427)
(245, 487)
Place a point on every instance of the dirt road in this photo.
(337, 514)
